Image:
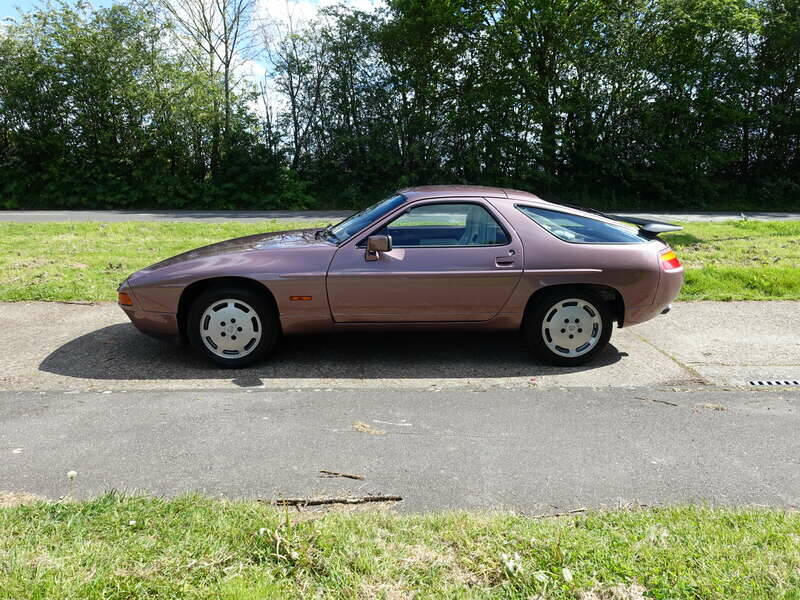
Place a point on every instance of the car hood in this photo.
(281, 240)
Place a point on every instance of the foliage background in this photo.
(610, 103)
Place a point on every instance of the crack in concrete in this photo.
(681, 364)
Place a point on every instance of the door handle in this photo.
(504, 261)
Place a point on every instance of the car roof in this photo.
(475, 191)
(479, 191)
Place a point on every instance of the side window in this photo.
(446, 225)
(578, 229)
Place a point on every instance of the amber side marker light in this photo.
(299, 298)
(669, 261)
(124, 299)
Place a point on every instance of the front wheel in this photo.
(234, 327)
(568, 328)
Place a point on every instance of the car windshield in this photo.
(352, 225)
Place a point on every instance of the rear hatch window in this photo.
(582, 230)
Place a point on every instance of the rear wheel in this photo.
(234, 327)
(568, 327)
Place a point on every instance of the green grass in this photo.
(86, 261)
(740, 260)
(193, 547)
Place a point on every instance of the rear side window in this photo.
(581, 230)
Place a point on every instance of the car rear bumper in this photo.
(669, 286)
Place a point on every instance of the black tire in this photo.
(267, 317)
(545, 307)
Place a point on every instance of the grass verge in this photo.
(739, 260)
(193, 547)
(86, 261)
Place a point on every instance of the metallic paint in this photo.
(413, 287)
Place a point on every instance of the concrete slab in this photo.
(89, 347)
(730, 343)
(94, 347)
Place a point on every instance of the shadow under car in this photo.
(120, 352)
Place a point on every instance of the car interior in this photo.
(445, 225)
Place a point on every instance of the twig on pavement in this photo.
(339, 500)
(326, 473)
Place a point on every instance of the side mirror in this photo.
(377, 244)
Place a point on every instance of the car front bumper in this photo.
(160, 325)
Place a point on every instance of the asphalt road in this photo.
(219, 216)
(665, 415)
(537, 451)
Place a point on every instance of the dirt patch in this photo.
(367, 428)
(9, 499)
(618, 591)
(32, 263)
(384, 591)
(710, 406)
(420, 556)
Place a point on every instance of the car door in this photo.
(450, 261)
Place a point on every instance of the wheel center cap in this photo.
(572, 328)
(230, 329)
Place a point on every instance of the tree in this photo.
(296, 55)
(214, 33)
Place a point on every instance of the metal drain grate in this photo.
(776, 382)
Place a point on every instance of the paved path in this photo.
(185, 216)
(533, 450)
(44, 216)
(68, 346)
(665, 416)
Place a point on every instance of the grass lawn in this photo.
(192, 547)
(86, 261)
(740, 260)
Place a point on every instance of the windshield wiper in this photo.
(321, 233)
(327, 233)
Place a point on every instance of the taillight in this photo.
(669, 260)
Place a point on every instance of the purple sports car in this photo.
(437, 257)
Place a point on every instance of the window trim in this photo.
(363, 241)
(519, 207)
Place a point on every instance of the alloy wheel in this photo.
(230, 328)
(572, 327)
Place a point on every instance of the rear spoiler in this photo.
(647, 228)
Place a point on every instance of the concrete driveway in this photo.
(86, 347)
